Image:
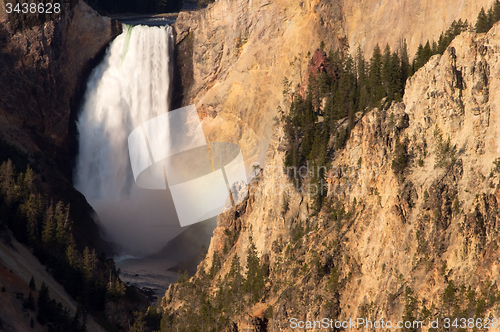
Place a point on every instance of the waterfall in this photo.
(131, 85)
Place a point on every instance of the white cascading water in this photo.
(130, 86)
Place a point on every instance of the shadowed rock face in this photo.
(44, 66)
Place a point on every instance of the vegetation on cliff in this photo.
(486, 20)
(336, 93)
(311, 269)
(46, 227)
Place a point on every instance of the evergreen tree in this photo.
(31, 209)
(362, 91)
(434, 48)
(491, 18)
(139, 324)
(400, 160)
(405, 63)
(442, 44)
(324, 84)
(32, 284)
(236, 280)
(395, 88)
(496, 11)
(386, 69)
(71, 256)
(61, 215)
(43, 304)
(48, 234)
(254, 282)
(418, 62)
(28, 181)
(7, 183)
(30, 302)
(482, 24)
(424, 53)
(87, 264)
(427, 54)
(376, 87)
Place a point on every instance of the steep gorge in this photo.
(233, 56)
(420, 243)
(402, 232)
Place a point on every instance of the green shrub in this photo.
(445, 153)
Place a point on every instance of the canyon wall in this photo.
(416, 243)
(368, 22)
(45, 62)
(235, 55)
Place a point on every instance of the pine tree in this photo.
(376, 88)
(482, 24)
(324, 84)
(491, 18)
(43, 304)
(418, 62)
(48, 233)
(395, 78)
(496, 11)
(71, 256)
(254, 282)
(442, 44)
(139, 324)
(93, 259)
(400, 159)
(32, 284)
(236, 280)
(362, 91)
(386, 69)
(427, 54)
(63, 224)
(29, 303)
(7, 183)
(434, 48)
(31, 210)
(87, 264)
(405, 64)
(29, 178)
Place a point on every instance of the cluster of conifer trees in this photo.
(47, 229)
(424, 53)
(350, 85)
(346, 87)
(486, 20)
(239, 289)
(335, 96)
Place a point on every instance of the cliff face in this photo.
(44, 66)
(235, 55)
(370, 22)
(412, 243)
